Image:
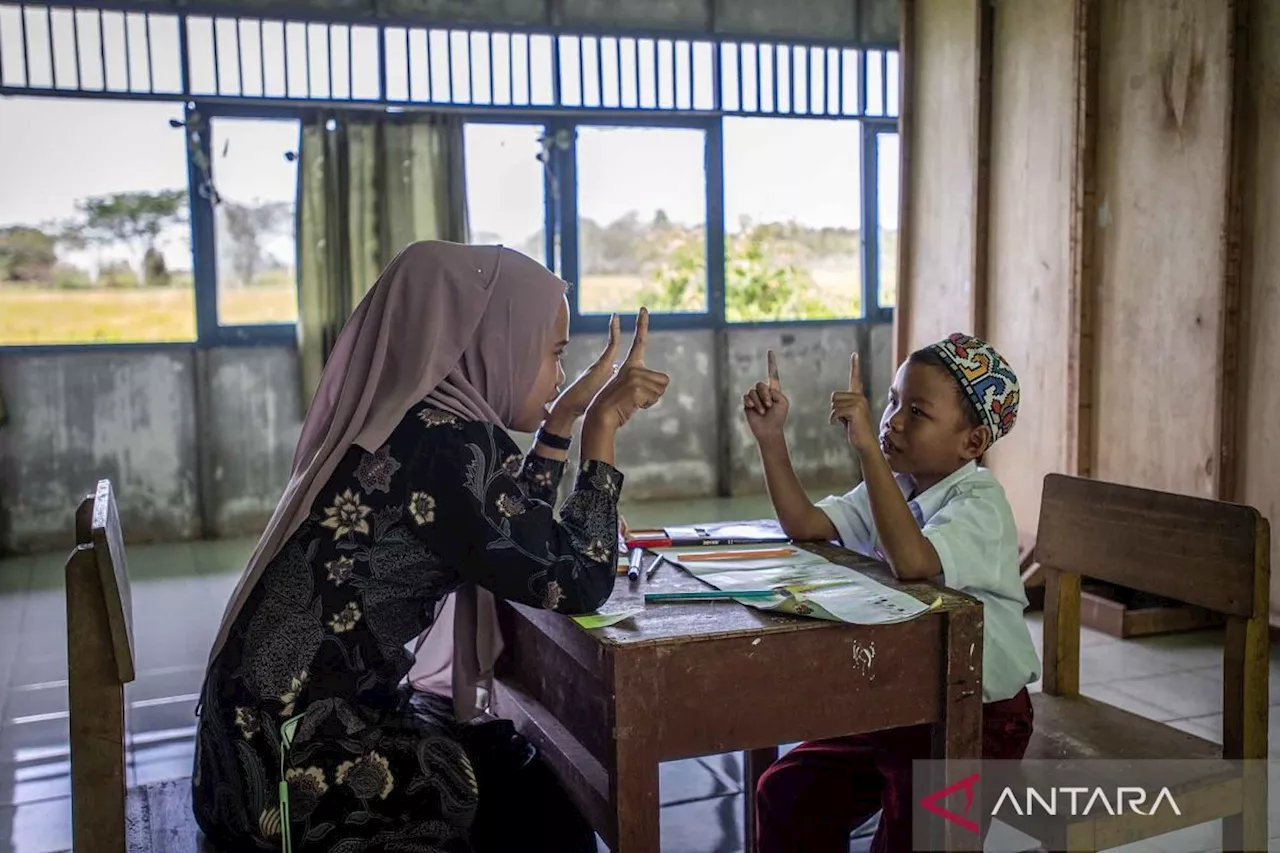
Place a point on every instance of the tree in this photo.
(759, 283)
(679, 283)
(137, 219)
(248, 227)
(27, 254)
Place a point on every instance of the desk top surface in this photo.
(672, 622)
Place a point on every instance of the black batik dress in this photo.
(324, 635)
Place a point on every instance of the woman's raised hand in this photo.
(632, 387)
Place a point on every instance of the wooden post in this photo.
(1242, 127)
(980, 250)
(1080, 342)
(906, 127)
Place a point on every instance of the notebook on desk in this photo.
(716, 535)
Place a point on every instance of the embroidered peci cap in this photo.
(986, 378)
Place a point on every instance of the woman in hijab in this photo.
(407, 492)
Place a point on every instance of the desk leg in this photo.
(634, 775)
(636, 805)
(755, 762)
(958, 736)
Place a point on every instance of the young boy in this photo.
(926, 508)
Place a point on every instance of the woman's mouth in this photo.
(887, 446)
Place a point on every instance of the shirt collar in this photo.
(924, 505)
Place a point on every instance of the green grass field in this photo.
(39, 315)
(35, 315)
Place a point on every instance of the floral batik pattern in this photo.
(443, 502)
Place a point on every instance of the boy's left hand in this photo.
(851, 408)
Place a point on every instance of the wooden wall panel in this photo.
(1032, 118)
(1164, 97)
(1259, 466)
(937, 271)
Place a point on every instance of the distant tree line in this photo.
(768, 266)
(138, 223)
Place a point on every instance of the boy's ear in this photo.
(977, 442)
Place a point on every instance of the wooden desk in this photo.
(604, 707)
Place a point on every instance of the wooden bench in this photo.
(106, 816)
(1207, 553)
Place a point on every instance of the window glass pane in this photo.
(254, 220)
(887, 204)
(642, 213)
(95, 244)
(792, 219)
(505, 187)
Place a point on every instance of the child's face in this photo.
(924, 431)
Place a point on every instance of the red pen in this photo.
(647, 539)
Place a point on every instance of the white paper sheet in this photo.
(807, 585)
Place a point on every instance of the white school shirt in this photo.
(970, 523)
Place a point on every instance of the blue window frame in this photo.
(223, 66)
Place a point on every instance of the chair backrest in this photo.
(1207, 553)
(99, 663)
(1193, 550)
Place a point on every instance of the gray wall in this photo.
(200, 442)
(197, 443)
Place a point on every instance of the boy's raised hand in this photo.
(765, 405)
(851, 408)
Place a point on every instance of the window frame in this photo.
(204, 238)
(872, 130)
(560, 209)
(566, 221)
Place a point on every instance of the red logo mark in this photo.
(931, 803)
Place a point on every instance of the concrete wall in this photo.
(200, 442)
(197, 443)
(127, 415)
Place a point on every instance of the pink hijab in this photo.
(464, 327)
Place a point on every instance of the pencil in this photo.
(716, 595)
(696, 557)
(653, 567)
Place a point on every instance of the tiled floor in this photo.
(178, 595)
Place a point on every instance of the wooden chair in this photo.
(107, 818)
(1202, 552)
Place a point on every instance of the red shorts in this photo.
(812, 798)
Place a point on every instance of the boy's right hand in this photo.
(765, 405)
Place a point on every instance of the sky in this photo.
(54, 151)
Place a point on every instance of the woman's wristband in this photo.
(555, 442)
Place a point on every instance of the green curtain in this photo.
(367, 187)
